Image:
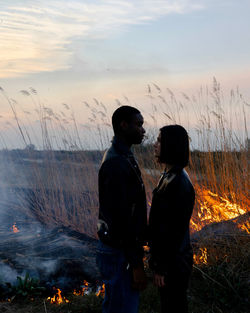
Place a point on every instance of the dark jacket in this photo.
(171, 210)
(122, 200)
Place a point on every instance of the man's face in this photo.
(134, 130)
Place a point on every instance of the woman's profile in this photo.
(171, 210)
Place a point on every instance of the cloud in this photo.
(37, 37)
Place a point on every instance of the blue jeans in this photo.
(119, 295)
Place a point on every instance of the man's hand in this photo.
(159, 280)
(139, 278)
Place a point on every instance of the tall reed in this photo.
(63, 176)
(218, 158)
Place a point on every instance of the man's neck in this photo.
(124, 140)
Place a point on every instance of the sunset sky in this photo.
(74, 51)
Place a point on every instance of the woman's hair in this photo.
(174, 145)
(123, 113)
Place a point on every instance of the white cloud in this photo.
(36, 37)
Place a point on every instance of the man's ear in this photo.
(124, 125)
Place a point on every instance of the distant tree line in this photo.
(144, 153)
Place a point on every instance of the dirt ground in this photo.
(77, 304)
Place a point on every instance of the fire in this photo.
(215, 208)
(146, 256)
(84, 291)
(14, 228)
(100, 291)
(245, 226)
(201, 257)
(58, 299)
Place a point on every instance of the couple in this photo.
(122, 226)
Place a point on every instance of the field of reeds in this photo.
(55, 156)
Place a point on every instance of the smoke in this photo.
(56, 256)
(7, 274)
(47, 267)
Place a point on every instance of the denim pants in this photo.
(119, 296)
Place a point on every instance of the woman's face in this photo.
(157, 148)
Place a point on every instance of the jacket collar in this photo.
(174, 170)
(167, 177)
(124, 150)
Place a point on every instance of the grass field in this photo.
(220, 224)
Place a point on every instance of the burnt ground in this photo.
(210, 289)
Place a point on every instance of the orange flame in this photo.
(201, 258)
(101, 291)
(214, 208)
(14, 228)
(58, 299)
(84, 290)
(245, 226)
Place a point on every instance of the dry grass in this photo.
(218, 168)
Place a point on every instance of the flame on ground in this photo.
(214, 208)
(201, 257)
(14, 228)
(100, 291)
(58, 299)
(86, 290)
(83, 291)
(245, 226)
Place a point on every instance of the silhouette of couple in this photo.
(123, 229)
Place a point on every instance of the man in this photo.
(122, 216)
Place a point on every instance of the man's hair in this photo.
(123, 113)
(174, 145)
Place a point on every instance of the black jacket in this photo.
(122, 200)
(171, 210)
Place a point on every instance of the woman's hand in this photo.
(159, 280)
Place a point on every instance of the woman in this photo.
(171, 210)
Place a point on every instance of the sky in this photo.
(70, 52)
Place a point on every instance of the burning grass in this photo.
(218, 168)
(87, 298)
(76, 304)
(221, 278)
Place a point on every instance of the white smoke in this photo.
(7, 274)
